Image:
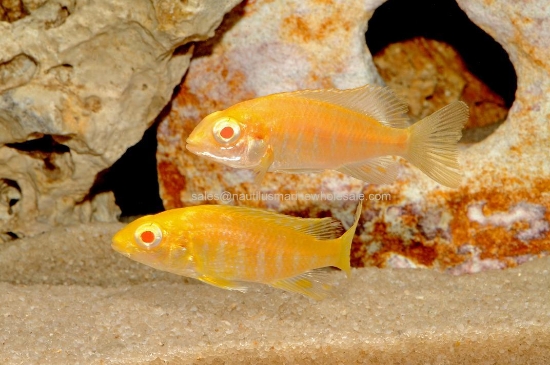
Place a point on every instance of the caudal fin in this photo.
(433, 143)
(346, 241)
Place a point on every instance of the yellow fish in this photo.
(228, 246)
(353, 131)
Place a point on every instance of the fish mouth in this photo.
(217, 157)
(119, 245)
(196, 150)
(192, 148)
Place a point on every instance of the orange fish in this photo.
(353, 131)
(228, 246)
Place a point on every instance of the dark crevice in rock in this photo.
(182, 50)
(12, 235)
(204, 48)
(62, 15)
(133, 178)
(46, 148)
(100, 185)
(10, 195)
(46, 144)
(443, 20)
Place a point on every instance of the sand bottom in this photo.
(68, 298)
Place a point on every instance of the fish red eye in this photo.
(148, 235)
(226, 130)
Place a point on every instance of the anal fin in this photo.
(378, 170)
(313, 284)
(301, 171)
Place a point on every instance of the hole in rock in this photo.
(45, 144)
(62, 15)
(12, 235)
(430, 53)
(8, 236)
(44, 148)
(10, 195)
(133, 178)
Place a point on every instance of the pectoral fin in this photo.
(261, 169)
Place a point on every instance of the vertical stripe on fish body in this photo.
(229, 246)
(326, 136)
(245, 246)
(354, 131)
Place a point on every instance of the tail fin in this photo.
(346, 241)
(433, 143)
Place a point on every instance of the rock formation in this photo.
(499, 216)
(430, 74)
(80, 81)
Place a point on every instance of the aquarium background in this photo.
(97, 98)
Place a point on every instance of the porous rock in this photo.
(498, 217)
(264, 47)
(80, 81)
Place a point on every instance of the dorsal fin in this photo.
(378, 102)
(319, 228)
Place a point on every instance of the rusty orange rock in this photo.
(430, 74)
(499, 217)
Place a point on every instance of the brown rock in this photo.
(430, 74)
(80, 82)
(12, 10)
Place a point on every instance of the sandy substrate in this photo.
(67, 298)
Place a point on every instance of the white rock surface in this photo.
(80, 81)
